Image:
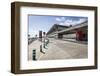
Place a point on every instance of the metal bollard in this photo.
(40, 48)
(47, 41)
(34, 54)
(44, 45)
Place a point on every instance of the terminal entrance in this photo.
(60, 36)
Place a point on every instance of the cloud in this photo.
(69, 21)
(60, 19)
(72, 22)
(61, 23)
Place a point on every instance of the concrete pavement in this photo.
(58, 49)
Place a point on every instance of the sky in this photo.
(44, 23)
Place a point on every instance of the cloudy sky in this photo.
(44, 23)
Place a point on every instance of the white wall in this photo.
(5, 33)
(70, 36)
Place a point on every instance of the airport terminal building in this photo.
(78, 32)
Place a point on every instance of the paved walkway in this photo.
(59, 49)
(75, 41)
(35, 45)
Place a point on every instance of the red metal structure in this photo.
(79, 35)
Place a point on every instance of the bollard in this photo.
(40, 48)
(47, 41)
(34, 54)
(44, 44)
